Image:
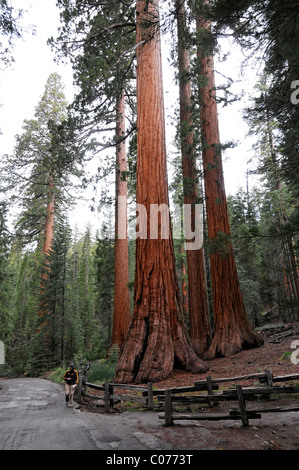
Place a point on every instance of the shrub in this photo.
(57, 375)
(101, 371)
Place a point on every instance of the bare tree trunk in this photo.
(49, 225)
(184, 285)
(157, 340)
(200, 330)
(48, 239)
(233, 331)
(121, 313)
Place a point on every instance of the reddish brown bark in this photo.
(233, 331)
(184, 285)
(49, 225)
(157, 338)
(48, 239)
(200, 330)
(121, 313)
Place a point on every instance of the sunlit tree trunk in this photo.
(200, 331)
(184, 285)
(157, 339)
(47, 243)
(121, 313)
(233, 331)
(49, 225)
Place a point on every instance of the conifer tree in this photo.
(55, 296)
(4, 274)
(157, 338)
(232, 330)
(269, 31)
(37, 172)
(267, 155)
(200, 329)
(103, 58)
(10, 30)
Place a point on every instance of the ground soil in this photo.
(274, 431)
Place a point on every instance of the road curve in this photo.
(33, 416)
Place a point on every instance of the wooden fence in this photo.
(149, 398)
(108, 396)
(240, 395)
(167, 399)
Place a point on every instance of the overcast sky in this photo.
(22, 86)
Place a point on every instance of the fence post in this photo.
(269, 378)
(168, 408)
(241, 402)
(210, 390)
(150, 400)
(107, 397)
(79, 387)
(111, 393)
(86, 368)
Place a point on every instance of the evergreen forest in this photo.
(148, 305)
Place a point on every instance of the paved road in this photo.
(33, 416)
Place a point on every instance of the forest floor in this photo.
(273, 355)
(274, 431)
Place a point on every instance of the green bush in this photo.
(6, 371)
(57, 375)
(101, 371)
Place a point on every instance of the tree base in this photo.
(227, 343)
(157, 375)
(151, 358)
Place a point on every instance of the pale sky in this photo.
(22, 86)
(23, 83)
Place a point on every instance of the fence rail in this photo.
(110, 397)
(240, 395)
(167, 398)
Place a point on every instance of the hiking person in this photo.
(71, 380)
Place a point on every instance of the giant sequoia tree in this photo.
(122, 312)
(157, 339)
(233, 331)
(269, 30)
(40, 172)
(200, 330)
(98, 38)
(37, 171)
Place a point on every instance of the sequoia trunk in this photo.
(121, 314)
(49, 225)
(157, 339)
(200, 331)
(233, 331)
(48, 240)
